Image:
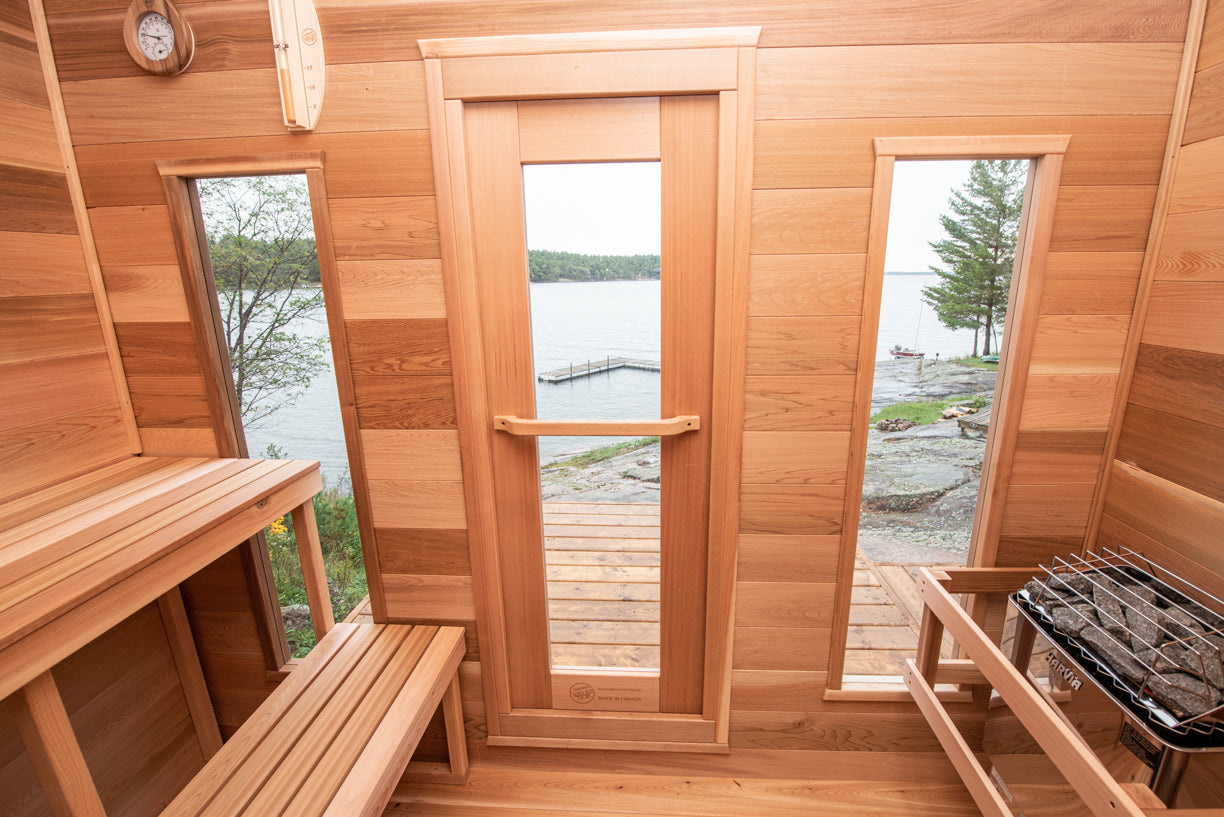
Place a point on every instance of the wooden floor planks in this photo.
(526, 793)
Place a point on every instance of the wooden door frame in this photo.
(1028, 276)
(718, 61)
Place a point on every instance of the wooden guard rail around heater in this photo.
(986, 664)
(79, 557)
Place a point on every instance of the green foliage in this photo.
(975, 363)
(548, 265)
(336, 515)
(926, 412)
(262, 246)
(605, 452)
(979, 249)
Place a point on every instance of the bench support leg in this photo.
(47, 733)
(456, 746)
(191, 674)
(306, 530)
(456, 733)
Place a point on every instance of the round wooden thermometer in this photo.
(157, 37)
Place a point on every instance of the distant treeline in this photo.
(549, 265)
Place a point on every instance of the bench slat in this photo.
(14, 512)
(368, 787)
(44, 516)
(95, 613)
(314, 769)
(25, 552)
(29, 603)
(327, 663)
(300, 725)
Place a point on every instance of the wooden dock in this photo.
(593, 367)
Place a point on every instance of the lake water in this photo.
(577, 322)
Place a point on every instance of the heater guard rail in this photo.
(1103, 796)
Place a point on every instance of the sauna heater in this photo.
(1151, 640)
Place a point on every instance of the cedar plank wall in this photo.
(129, 713)
(1166, 492)
(831, 75)
(60, 416)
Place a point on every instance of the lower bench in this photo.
(337, 735)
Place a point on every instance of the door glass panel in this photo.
(593, 238)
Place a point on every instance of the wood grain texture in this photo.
(116, 227)
(41, 390)
(1178, 449)
(42, 264)
(620, 73)
(27, 137)
(1181, 382)
(798, 402)
(1203, 120)
(689, 138)
(359, 165)
(419, 455)
(402, 289)
(1196, 186)
(405, 401)
(1079, 401)
(1105, 219)
(35, 201)
(1026, 79)
(795, 457)
(1190, 250)
(812, 153)
(1088, 283)
(138, 294)
(199, 105)
(791, 509)
(1074, 343)
(47, 733)
(806, 345)
(39, 327)
(589, 130)
(398, 503)
(1186, 315)
(400, 347)
(810, 221)
(425, 551)
(784, 604)
(776, 558)
(383, 229)
(789, 285)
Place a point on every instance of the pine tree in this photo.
(979, 249)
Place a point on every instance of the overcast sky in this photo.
(613, 209)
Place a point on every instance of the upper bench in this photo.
(80, 556)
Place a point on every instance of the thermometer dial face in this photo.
(156, 36)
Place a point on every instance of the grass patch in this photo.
(926, 412)
(975, 363)
(605, 452)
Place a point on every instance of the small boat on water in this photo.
(897, 351)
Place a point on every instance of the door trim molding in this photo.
(603, 64)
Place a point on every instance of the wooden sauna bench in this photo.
(79, 557)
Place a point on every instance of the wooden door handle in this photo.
(523, 427)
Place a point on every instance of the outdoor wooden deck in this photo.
(603, 594)
(885, 619)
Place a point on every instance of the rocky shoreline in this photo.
(921, 485)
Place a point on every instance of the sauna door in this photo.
(681, 134)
